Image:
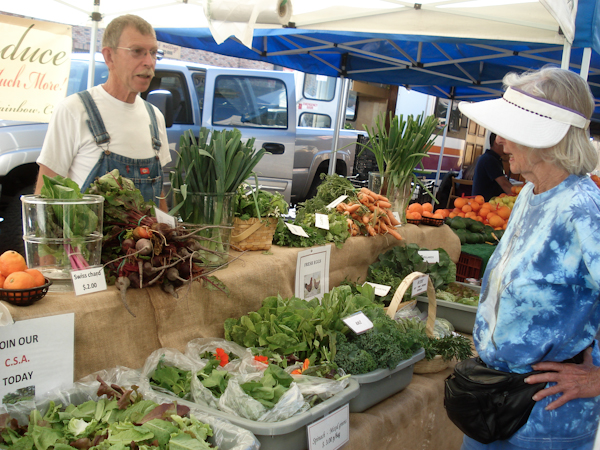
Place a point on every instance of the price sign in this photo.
(88, 280)
(322, 221)
(420, 285)
(358, 322)
(396, 215)
(296, 229)
(337, 201)
(331, 432)
(381, 290)
(430, 256)
(163, 217)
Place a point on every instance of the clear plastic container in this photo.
(62, 235)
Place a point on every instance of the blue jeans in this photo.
(472, 444)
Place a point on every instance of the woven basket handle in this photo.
(399, 294)
(246, 233)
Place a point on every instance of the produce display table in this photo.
(106, 335)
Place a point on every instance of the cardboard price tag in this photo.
(296, 229)
(163, 217)
(419, 285)
(381, 290)
(337, 201)
(358, 322)
(322, 221)
(430, 256)
(88, 280)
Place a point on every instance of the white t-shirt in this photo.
(70, 150)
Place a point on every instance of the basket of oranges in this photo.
(423, 213)
(20, 285)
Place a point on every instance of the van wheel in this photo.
(314, 186)
(11, 227)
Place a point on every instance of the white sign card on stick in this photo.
(296, 229)
(312, 272)
(331, 432)
(337, 201)
(37, 356)
(358, 322)
(163, 217)
(322, 221)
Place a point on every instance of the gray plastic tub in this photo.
(382, 383)
(289, 434)
(459, 315)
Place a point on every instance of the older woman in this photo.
(540, 302)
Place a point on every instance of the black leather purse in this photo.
(487, 404)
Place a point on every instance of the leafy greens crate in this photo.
(459, 315)
(289, 434)
(382, 383)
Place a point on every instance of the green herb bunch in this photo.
(257, 203)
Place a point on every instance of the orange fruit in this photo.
(462, 214)
(40, 280)
(475, 206)
(415, 207)
(504, 212)
(483, 212)
(459, 202)
(437, 216)
(479, 199)
(452, 215)
(427, 207)
(467, 208)
(496, 221)
(11, 261)
(427, 214)
(2, 278)
(470, 215)
(489, 206)
(19, 280)
(443, 212)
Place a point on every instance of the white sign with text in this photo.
(381, 290)
(312, 272)
(358, 322)
(37, 355)
(419, 285)
(331, 432)
(88, 280)
(322, 221)
(430, 256)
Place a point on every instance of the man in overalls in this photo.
(110, 126)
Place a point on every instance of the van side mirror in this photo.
(163, 100)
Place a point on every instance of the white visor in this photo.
(524, 119)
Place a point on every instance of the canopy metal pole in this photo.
(585, 63)
(439, 166)
(96, 17)
(340, 118)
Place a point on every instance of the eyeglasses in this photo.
(140, 53)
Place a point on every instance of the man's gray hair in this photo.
(574, 153)
(112, 33)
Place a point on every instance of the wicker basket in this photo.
(253, 234)
(436, 364)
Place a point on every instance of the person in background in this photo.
(110, 126)
(489, 179)
(540, 297)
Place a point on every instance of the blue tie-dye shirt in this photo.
(541, 301)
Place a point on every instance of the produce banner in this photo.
(36, 355)
(34, 67)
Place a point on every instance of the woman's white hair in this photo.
(574, 153)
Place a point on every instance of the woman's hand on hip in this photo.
(572, 380)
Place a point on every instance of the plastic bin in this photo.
(383, 383)
(459, 315)
(468, 266)
(289, 434)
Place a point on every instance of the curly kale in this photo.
(386, 344)
(353, 359)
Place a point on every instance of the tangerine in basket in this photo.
(11, 261)
(2, 278)
(18, 280)
(40, 280)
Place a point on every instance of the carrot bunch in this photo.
(371, 215)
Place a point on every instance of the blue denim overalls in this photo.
(146, 174)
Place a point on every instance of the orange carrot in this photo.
(383, 204)
(394, 233)
(383, 226)
(353, 207)
(366, 218)
(371, 230)
(392, 218)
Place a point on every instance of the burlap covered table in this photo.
(106, 335)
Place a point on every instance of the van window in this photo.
(78, 76)
(242, 101)
(199, 79)
(175, 83)
(313, 120)
(319, 87)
